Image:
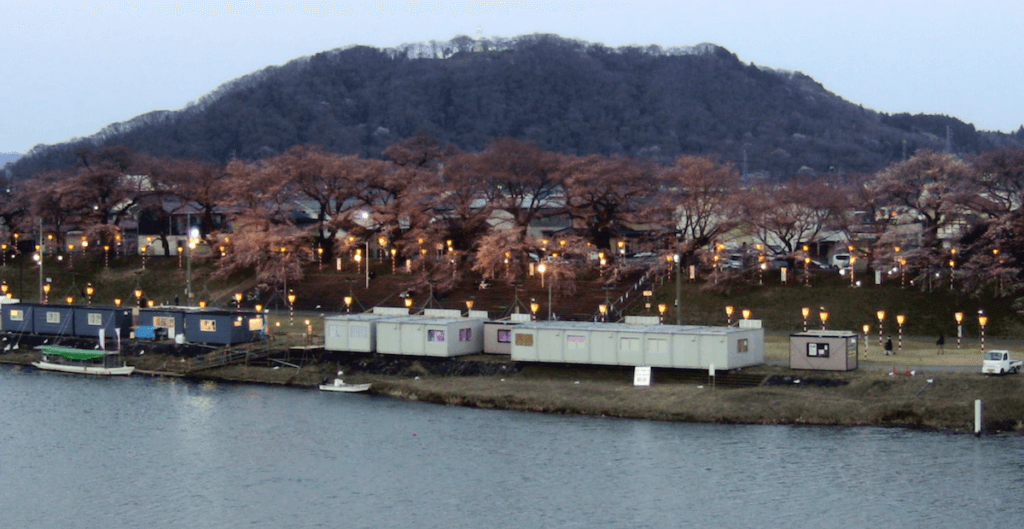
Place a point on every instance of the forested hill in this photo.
(564, 95)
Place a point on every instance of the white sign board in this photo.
(642, 376)
(711, 370)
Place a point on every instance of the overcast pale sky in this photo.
(70, 68)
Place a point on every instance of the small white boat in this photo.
(82, 361)
(340, 386)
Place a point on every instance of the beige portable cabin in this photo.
(430, 336)
(823, 350)
(672, 346)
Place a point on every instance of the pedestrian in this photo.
(888, 345)
(941, 342)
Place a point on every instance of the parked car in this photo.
(998, 362)
(841, 260)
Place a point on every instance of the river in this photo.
(147, 452)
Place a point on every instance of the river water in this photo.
(145, 452)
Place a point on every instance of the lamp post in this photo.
(238, 300)
(679, 289)
(823, 316)
(534, 307)
(117, 302)
(542, 268)
(603, 309)
(138, 296)
(881, 317)
(662, 307)
(982, 322)
(959, 317)
(728, 315)
(70, 300)
(348, 304)
(866, 328)
(106, 256)
(193, 237)
(89, 291)
(46, 293)
(143, 250)
(745, 313)
(805, 312)
(900, 318)
(291, 308)
(853, 262)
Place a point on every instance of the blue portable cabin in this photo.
(54, 319)
(112, 320)
(17, 317)
(170, 318)
(223, 327)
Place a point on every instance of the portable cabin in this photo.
(54, 319)
(352, 332)
(423, 336)
(89, 320)
(672, 346)
(16, 317)
(223, 327)
(498, 336)
(172, 319)
(823, 350)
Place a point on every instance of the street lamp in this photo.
(291, 308)
(603, 309)
(117, 302)
(542, 268)
(823, 316)
(138, 296)
(89, 291)
(866, 328)
(348, 304)
(238, 300)
(959, 317)
(899, 321)
(534, 307)
(662, 307)
(70, 299)
(746, 314)
(881, 317)
(982, 321)
(805, 312)
(193, 239)
(728, 314)
(46, 292)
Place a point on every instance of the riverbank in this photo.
(912, 389)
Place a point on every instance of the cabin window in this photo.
(465, 335)
(163, 321)
(575, 342)
(525, 340)
(238, 321)
(743, 345)
(629, 344)
(17, 315)
(435, 335)
(657, 345)
(817, 350)
(95, 319)
(504, 336)
(52, 317)
(208, 325)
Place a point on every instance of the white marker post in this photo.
(711, 375)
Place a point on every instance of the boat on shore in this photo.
(341, 386)
(82, 361)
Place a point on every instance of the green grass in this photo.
(778, 306)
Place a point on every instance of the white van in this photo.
(841, 260)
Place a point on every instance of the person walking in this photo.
(888, 345)
(941, 342)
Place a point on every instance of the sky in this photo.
(67, 69)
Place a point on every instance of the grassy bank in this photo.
(872, 395)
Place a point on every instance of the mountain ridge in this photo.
(564, 95)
